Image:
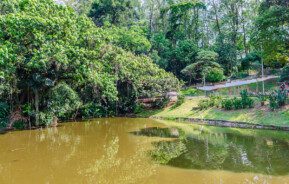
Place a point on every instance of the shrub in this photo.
(227, 104)
(204, 104)
(213, 101)
(237, 103)
(63, 101)
(215, 75)
(138, 108)
(281, 97)
(247, 102)
(93, 110)
(273, 103)
(284, 77)
(19, 125)
(262, 98)
(160, 103)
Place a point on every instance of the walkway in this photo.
(235, 83)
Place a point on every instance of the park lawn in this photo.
(257, 116)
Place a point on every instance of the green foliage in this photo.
(206, 62)
(213, 101)
(238, 103)
(45, 46)
(215, 75)
(131, 39)
(247, 102)
(284, 77)
(282, 96)
(4, 114)
(227, 104)
(262, 98)
(92, 110)
(19, 125)
(251, 61)
(190, 92)
(160, 103)
(227, 54)
(116, 12)
(165, 151)
(277, 99)
(240, 75)
(63, 101)
(272, 23)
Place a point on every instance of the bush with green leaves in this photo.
(45, 45)
(247, 102)
(262, 98)
(63, 101)
(237, 103)
(277, 99)
(160, 103)
(284, 77)
(215, 75)
(213, 101)
(227, 104)
(282, 97)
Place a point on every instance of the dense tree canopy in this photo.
(108, 53)
(54, 61)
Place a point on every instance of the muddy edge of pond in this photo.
(224, 123)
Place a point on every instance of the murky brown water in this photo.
(115, 151)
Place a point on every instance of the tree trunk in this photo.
(216, 17)
(36, 103)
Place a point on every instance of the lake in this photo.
(124, 150)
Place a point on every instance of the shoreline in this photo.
(223, 123)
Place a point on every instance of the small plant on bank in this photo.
(277, 99)
(213, 101)
(227, 104)
(238, 103)
(160, 103)
(262, 98)
(247, 102)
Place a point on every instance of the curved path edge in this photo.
(224, 123)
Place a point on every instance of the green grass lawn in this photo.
(256, 115)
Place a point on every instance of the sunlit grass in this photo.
(256, 115)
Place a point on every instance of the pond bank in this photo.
(261, 118)
(224, 123)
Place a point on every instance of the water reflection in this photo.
(172, 132)
(107, 151)
(111, 168)
(221, 151)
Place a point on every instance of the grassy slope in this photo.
(259, 116)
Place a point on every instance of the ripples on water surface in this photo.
(119, 150)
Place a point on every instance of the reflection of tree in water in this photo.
(224, 151)
(167, 150)
(111, 169)
(64, 142)
(160, 132)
